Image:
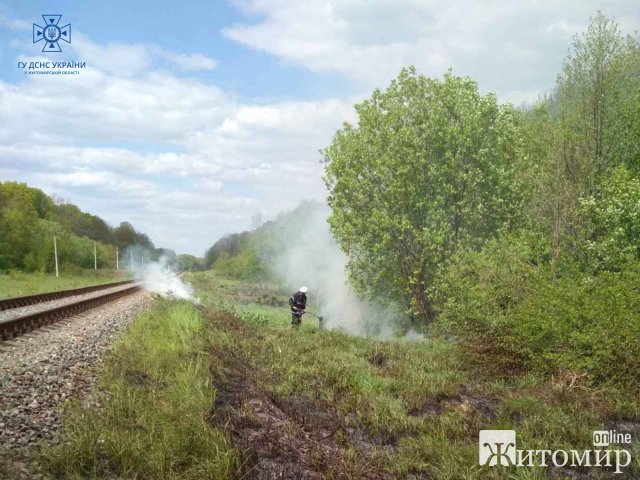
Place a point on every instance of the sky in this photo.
(192, 117)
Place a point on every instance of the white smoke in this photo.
(159, 278)
(413, 334)
(312, 258)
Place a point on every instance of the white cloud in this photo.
(100, 105)
(168, 153)
(507, 46)
(122, 59)
(191, 62)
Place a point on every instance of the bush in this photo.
(610, 230)
(244, 266)
(517, 311)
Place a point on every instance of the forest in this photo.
(29, 219)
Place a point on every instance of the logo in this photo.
(604, 438)
(51, 33)
(498, 447)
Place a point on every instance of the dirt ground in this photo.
(295, 438)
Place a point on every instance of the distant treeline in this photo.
(29, 219)
(251, 255)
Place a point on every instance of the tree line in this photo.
(29, 219)
(515, 229)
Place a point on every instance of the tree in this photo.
(585, 128)
(256, 220)
(610, 234)
(188, 262)
(143, 240)
(18, 216)
(594, 83)
(29, 218)
(228, 246)
(430, 166)
(168, 256)
(125, 235)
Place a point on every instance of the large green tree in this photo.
(430, 166)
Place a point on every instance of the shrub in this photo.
(516, 310)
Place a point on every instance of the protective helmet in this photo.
(303, 289)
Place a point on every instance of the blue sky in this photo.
(192, 117)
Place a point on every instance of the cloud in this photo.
(193, 62)
(510, 48)
(118, 58)
(101, 104)
(136, 136)
(128, 60)
(129, 140)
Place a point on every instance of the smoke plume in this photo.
(157, 276)
(312, 258)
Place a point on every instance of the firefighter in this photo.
(298, 302)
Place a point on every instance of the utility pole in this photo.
(132, 260)
(95, 256)
(117, 260)
(55, 254)
(142, 261)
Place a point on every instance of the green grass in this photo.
(155, 399)
(421, 398)
(215, 289)
(15, 283)
(416, 407)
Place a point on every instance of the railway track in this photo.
(9, 303)
(20, 324)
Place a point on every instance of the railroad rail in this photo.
(17, 302)
(19, 325)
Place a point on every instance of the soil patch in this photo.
(378, 359)
(293, 438)
(465, 401)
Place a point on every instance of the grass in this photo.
(410, 408)
(152, 421)
(15, 283)
(419, 403)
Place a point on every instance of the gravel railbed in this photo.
(40, 371)
(37, 307)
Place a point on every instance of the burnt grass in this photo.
(306, 436)
(463, 401)
(294, 438)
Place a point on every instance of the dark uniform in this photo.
(299, 301)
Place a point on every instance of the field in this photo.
(15, 284)
(226, 389)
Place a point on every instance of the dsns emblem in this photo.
(51, 33)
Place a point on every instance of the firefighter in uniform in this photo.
(298, 302)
